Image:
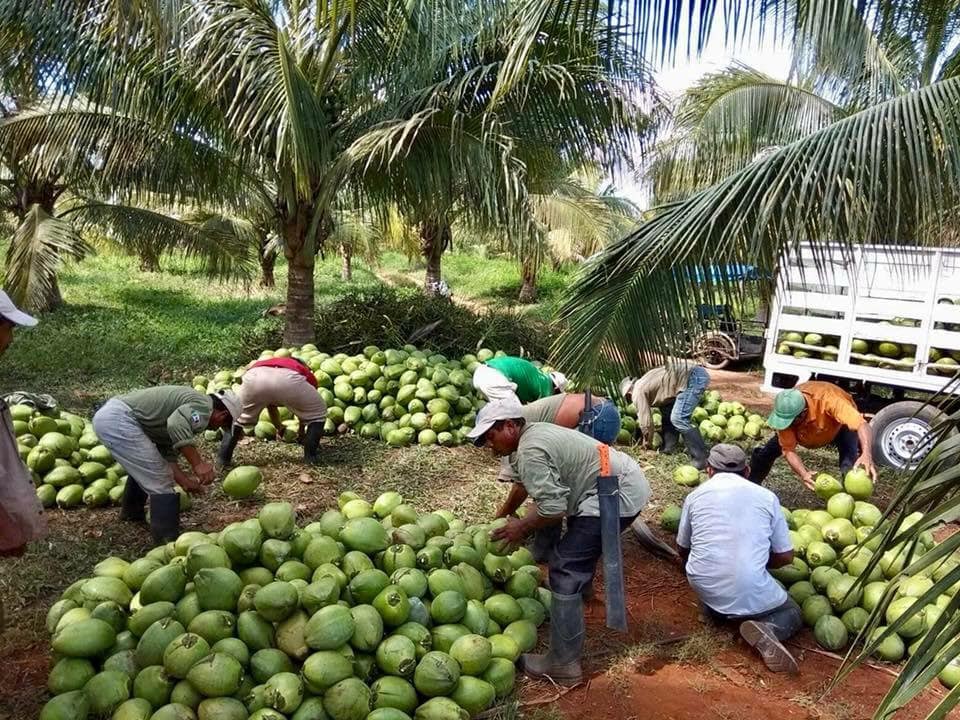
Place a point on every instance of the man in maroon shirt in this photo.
(275, 382)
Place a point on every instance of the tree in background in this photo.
(469, 148)
(72, 172)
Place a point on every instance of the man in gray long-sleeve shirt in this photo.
(558, 470)
(676, 388)
(145, 430)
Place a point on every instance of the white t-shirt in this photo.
(731, 526)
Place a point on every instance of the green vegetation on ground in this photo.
(122, 328)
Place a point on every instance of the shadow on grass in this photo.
(83, 353)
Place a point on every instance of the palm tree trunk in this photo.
(346, 268)
(528, 289)
(149, 259)
(298, 328)
(268, 260)
(434, 238)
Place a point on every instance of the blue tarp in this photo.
(718, 273)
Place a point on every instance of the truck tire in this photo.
(714, 350)
(900, 433)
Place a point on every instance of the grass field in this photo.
(122, 328)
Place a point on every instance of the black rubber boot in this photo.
(562, 662)
(164, 517)
(668, 430)
(311, 443)
(696, 448)
(670, 438)
(132, 505)
(227, 445)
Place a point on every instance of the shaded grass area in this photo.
(122, 328)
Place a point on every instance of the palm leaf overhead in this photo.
(39, 246)
(103, 151)
(885, 173)
(224, 244)
(726, 119)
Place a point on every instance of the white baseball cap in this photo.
(14, 314)
(492, 412)
(559, 380)
(626, 385)
(231, 402)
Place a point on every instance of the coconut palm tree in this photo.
(455, 151)
(573, 219)
(68, 166)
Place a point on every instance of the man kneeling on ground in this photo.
(731, 532)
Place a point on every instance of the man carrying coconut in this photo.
(676, 388)
(812, 415)
(731, 532)
(275, 382)
(559, 468)
(509, 377)
(21, 515)
(145, 430)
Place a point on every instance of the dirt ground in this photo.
(672, 666)
(744, 386)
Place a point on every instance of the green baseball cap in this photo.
(786, 406)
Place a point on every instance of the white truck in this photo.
(881, 322)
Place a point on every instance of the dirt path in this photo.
(743, 386)
(671, 666)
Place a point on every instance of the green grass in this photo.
(122, 328)
(489, 280)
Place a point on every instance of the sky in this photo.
(674, 78)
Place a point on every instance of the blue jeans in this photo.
(682, 413)
(574, 559)
(786, 620)
(601, 422)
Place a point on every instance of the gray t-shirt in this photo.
(170, 415)
(558, 467)
(544, 410)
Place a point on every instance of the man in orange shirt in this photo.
(812, 415)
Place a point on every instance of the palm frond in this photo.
(38, 248)
(115, 155)
(925, 500)
(247, 62)
(855, 57)
(886, 173)
(225, 244)
(726, 119)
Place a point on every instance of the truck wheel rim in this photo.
(903, 441)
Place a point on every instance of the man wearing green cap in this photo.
(812, 415)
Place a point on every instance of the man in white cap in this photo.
(516, 378)
(21, 515)
(676, 388)
(145, 430)
(732, 532)
(558, 468)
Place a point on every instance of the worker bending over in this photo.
(509, 377)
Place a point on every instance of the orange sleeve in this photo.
(845, 413)
(788, 440)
